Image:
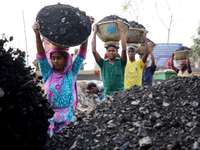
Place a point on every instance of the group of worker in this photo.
(118, 74)
(59, 70)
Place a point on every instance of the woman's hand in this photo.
(36, 27)
(91, 19)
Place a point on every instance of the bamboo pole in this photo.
(27, 62)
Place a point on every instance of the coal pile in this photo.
(148, 40)
(24, 111)
(164, 116)
(64, 25)
(182, 48)
(134, 24)
(112, 18)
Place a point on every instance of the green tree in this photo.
(132, 8)
(196, 46)
(166, 11)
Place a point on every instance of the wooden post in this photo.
(27, 62)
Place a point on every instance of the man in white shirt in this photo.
(97, 89)
(176, 62)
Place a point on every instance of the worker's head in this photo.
(58, 60)
(112, 52)
(183, 65)
(132, 50)
(92, 87)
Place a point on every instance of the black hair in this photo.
(90, 85)
(132, 48)
(64, 54)
(111, 46)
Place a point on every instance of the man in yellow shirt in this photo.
(134, 69)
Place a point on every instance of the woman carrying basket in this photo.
(59, 77)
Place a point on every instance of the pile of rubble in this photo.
(164, 116)
(113, 18)
(24, 111)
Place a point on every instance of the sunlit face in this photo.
(112, 53)
(93, 90)
(58, 62)
(131, 53)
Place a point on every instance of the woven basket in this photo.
(180, 55)
(61, 45)
(116, 43)
(108, 31)
(141, 49)
(135, 35)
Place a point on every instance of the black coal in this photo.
(64, 24)
(165, 116)
(112, 18)
(148, 40)
(24, 111)
(182, 48)
(134, 24)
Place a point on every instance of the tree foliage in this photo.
(196, 46)
(165, 9)
(132, 8)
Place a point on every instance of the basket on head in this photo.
(115, 43)
(180, 55)
(108, 31)
(135, 35)
(141, 49)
